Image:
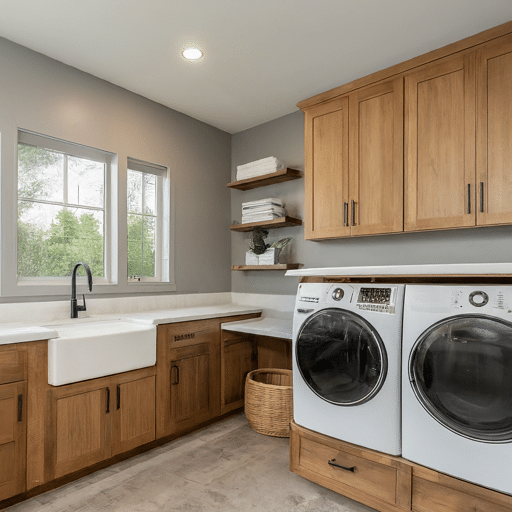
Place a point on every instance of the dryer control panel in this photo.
(376, 299)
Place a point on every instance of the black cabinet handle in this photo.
(345, 213)
(118, 397)
(353, 213)
(333, 463)
(108, 401)
(20, 408)
(482, 197)
(177, 381)
(469, 197)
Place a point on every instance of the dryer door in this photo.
(341, 357)
(461, 372)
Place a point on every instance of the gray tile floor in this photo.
(226, 466)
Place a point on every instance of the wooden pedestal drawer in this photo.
(373, 478)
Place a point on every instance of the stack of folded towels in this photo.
(262, 210)
(258, 168)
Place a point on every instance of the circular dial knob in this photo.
(478, 299)
(338, 293)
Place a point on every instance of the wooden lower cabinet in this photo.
(13, 439)
(373, 478)
(238, 359)
(384, 482)
(274, 352)
(90, 421)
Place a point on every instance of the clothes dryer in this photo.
(346, 362)
(457, 382)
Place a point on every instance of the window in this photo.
(147, 247)
(62, 215)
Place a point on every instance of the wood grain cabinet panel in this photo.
(326, 177)
(354, 163)
(79, 427)
(376, 159)
(13, 439)
(134, 414)
(440, 145)
(494, 133)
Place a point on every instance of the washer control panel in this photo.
(380, 300)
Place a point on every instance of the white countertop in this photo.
(20, 333)
(397, 270)
(168, 316)
(275, 327)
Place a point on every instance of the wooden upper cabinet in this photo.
(440, 145)
(376, 159)
(494, 132)
(326, 177)
(354, 163)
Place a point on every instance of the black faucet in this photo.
(75, 308)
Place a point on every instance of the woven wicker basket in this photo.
(268, 401)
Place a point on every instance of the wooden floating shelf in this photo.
(267, 179)
(282, 266)
(281, 222)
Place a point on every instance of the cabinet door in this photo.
(376, 159)
(326, 177)
(190, 386)
(238, 359)
(13, 439)
(134, 414)
(79, 427)
(494, 139)
(440, 145)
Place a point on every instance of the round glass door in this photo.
(461, 372)
(341, 357)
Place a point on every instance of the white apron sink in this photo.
(86, 351)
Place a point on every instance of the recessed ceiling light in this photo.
(192, 53)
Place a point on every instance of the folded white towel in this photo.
(263, 202)
(259, 218)
(264, 209)
(264, 161)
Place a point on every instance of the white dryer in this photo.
(457, 382)
(346, 362)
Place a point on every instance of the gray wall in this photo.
(284, 139)
(45, 96)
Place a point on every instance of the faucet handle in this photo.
(82, 307)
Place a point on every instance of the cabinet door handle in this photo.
(20, 408)
(469, 197)
(345, 213)
(118, 397)
(177, 381)
(353, 212)
(333, 463)
(108, 401)
(482, 197)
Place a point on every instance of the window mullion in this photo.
(65, 187)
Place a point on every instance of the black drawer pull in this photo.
(118, 397)
(20, 408)
(177, 381)
(333, 463)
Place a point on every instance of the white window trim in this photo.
(114, 282)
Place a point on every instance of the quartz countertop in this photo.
(168, 316)
(275, 327)
(401, 270)
(20, 333)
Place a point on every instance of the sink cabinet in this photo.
(91, 421)
(13, 422)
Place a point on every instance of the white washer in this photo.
(457, 382)
(346, 362)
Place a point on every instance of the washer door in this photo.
(341, 357)
(461, 372)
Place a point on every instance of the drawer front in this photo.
(430, 496)
(368, 476)
(13, 366)
(191, 333)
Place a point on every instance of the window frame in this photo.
(115, 263)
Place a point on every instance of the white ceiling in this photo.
(261, 56)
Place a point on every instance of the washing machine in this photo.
(346, 362)
(457, 382)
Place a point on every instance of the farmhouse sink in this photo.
(88, 350)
